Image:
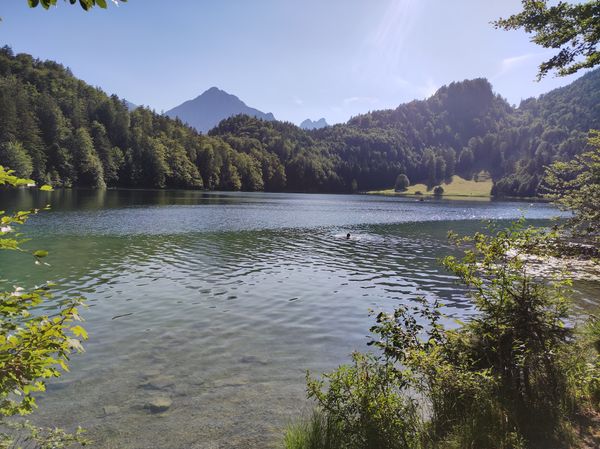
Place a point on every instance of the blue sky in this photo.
(297, 59)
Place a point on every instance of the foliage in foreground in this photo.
(34, 345)
(514, 376)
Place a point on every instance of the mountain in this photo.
(130, 106)
(206, 111)
(309, 124)
(57, 129)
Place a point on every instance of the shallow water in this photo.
(220, 302)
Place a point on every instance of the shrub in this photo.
(514, 376)
(519, 332)
(438, 191)
(364, 406)
(402, 183)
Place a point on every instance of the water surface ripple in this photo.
(221, 302)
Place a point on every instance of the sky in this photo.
(295, 58)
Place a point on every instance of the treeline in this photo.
(462, 129)
(422, 139)
(57, 129)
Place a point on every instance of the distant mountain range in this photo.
(130, 106)
(317, 124)
(206, 111)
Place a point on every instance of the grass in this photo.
(480, 186)
(313, 433)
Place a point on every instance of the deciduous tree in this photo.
(575, 186)
(571, 28)
(85, 4)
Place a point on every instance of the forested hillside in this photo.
(554, 126)
(57, 129)
(462, 129)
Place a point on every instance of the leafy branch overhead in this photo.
(85, 4)
(573, 29)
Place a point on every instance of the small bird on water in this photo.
(348, 236)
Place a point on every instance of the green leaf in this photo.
(40, 253)
(101, 3)
(46, 188)
(79, 332)
(33, 3)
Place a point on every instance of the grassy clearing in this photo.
(480, 186)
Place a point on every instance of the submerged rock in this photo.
(158, 383)
(153, 372)
(253, 360)
(158, 404)
(230, 382)
(110, 410)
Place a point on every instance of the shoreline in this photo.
(428, 195)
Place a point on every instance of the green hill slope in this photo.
(57, 129)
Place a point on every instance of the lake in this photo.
(220, 302)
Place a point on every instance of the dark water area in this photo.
(220, 302)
